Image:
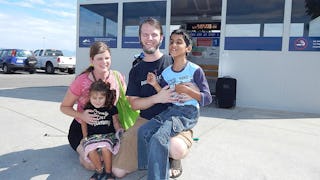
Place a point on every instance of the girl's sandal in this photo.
(97, 175)
(110, 176)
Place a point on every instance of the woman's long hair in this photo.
(96, 48)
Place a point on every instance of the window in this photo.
(98, 22)
(51, 52)
(134, 13)
(305, 26)
(36, 52)
(254, 25)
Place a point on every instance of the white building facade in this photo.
(272, 48)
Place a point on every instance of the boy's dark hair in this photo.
(104, 88)
(186, 37)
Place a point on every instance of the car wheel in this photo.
(6, 69)
(71, 71)
(49, 68)
(32, 71)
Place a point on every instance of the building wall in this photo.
(275, 80)
(280, 80)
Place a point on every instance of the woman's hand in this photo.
(89, 116)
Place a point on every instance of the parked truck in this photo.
(52, 59)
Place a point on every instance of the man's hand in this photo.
(166, 95)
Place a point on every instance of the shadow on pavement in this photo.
(49, 93)
(50, 163)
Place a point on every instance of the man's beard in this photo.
(150, 50)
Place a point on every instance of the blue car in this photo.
(17, 59)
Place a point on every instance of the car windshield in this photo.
(23, 53)
(53, 53)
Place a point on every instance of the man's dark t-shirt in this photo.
(138, 86)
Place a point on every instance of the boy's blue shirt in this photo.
(190, 73)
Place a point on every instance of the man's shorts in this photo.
(127, 157)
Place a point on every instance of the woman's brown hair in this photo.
(96, 48)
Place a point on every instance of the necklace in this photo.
(95, 79)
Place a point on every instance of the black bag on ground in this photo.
(226, 90)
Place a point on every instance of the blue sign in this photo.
(253, 43)
(88, 41)
(304, 44)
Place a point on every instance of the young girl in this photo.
(153, 137)
(100, 138)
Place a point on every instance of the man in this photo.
(145, 98)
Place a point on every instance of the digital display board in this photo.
(203, 26)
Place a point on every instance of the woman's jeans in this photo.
(153, 138)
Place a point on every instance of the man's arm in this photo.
(163, 96)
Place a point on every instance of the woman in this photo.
(78, 93)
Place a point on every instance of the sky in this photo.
(35, 24)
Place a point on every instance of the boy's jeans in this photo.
(153, 138)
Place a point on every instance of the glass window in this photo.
(98, 22)
(254, 25)
(23, 53)
(134, 13)
(2, 52)
(305, 26)
(52, 52)
(36, 52)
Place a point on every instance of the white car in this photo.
(52, 59)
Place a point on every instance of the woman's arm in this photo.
(84, 129)
(67, 108)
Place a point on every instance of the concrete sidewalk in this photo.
(234, 144)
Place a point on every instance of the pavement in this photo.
(233, 144)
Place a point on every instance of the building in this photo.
(272, 48)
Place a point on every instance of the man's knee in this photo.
(178, 148)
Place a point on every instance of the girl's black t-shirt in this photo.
(104, 125)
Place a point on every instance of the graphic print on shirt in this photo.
(102, 118)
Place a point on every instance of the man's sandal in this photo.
(175, 165)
